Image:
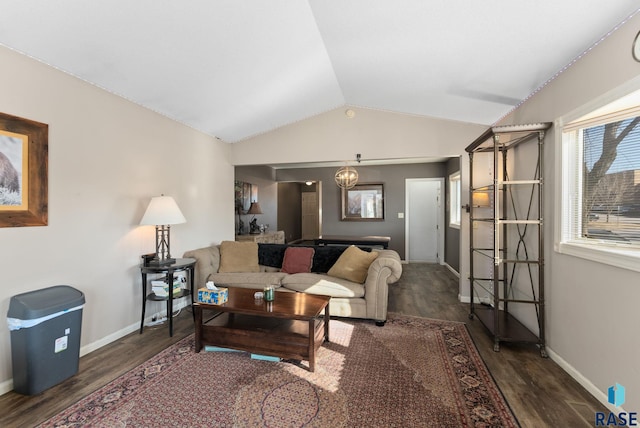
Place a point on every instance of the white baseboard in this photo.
(453, 271)
(84, 350)
(127, 330)
(7, 386)
(583, 381)
(575, 374)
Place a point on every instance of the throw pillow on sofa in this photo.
(324, 256)
(271, 255)
(353, 264)
(238, 257)
(297, 260)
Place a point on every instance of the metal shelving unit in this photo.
(506, 236)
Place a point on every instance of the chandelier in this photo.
(347, 176)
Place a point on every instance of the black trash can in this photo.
(45, 337)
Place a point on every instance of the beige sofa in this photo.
(368, 300)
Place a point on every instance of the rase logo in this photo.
(616, 396)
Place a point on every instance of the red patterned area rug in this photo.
(413, 372)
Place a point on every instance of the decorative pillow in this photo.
(353, 264)
(238, 257)
(325, 257)
(271, 254)
(297, 260)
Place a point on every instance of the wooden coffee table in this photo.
(289, 327)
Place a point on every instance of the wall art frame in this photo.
(30, 164)
(245, 193)
(363, 202)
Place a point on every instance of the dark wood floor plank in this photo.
(95, 370)
(539, 392)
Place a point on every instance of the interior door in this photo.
(424, 228)
(310, 229)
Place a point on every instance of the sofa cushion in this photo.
(353, 264)
(324, 256)
(314, 283)
(238, 257)
(271, 254)
(248, 279)
(297, 260)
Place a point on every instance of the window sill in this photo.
(626, 258)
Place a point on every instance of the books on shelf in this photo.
(161, 288)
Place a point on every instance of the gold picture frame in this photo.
(24, 172)
(363, 202)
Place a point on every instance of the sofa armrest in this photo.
(385, 269)
(207, 263)
(387, 259)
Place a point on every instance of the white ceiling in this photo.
(238, 68)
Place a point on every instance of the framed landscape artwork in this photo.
(245, 193)
(24, 146)
(363, 202)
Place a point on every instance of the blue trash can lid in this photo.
(47, 301)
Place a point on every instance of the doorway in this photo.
(310, 216)
(424, 221)
(300, 210)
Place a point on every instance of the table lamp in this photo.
(481, 199)
(162, 212)
(254, 209)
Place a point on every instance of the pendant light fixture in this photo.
(347, 176)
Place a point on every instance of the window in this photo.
(600, 203)
(454, 200)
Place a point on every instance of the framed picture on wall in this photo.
(245, 193)
(23, 172)
(363, 202)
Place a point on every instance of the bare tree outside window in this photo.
(611, 181)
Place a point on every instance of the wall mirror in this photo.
(363, 202)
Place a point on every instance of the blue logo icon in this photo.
(616, 395)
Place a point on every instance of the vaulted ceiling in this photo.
(238, 68)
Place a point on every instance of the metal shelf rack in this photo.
(506, 235)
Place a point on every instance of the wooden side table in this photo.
(187, 265)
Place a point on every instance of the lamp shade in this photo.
(481, 199)
(254, 208)
(162, 210)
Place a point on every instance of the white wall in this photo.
(107, 158)
(332, 136)
(592, 310)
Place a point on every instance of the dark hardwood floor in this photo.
(539, 392)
